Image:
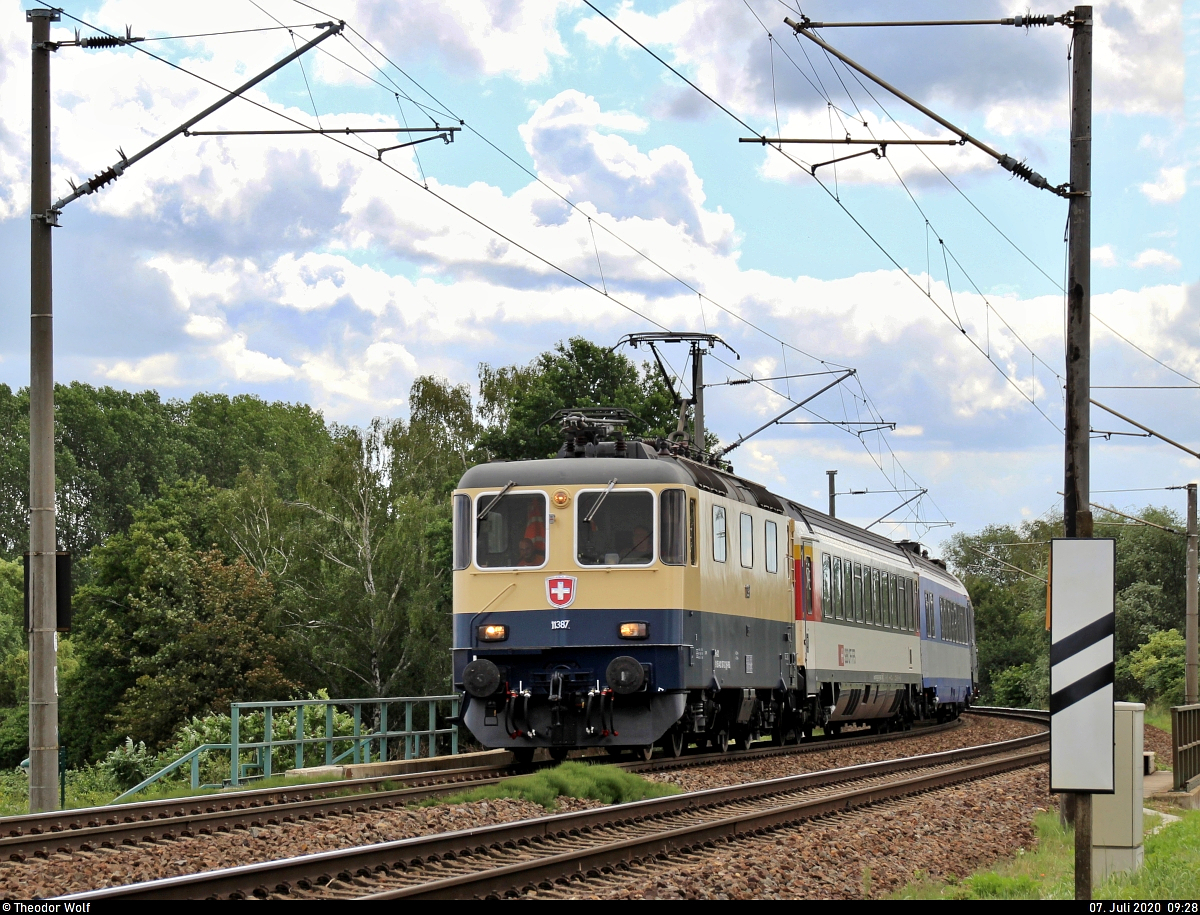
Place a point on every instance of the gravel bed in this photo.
(68, 873)
(869, 852)
(973, 731)
(1159, 741)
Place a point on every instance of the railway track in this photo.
(506, 858)
(87, 829)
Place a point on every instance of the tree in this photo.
(206, 621)
(1010, 607)
(516, 400)
(150, 594)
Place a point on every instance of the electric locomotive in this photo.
(626, 594)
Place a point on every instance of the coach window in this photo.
(876, 603)
(719, 533)
(771, 546)
(462, 532)
(858, 592)
(692, 548)
(826, 587)
(888, 585)
(510, 530)
(848, 589)
(835, 594)
(930, 632)
(893, 597)
(672, 534)
(910, 594)
(886, 594)
(746, 541)
(615, 528)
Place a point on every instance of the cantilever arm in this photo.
(115, 171)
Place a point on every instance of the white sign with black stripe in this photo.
(1082, 628)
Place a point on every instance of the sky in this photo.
(592, 191)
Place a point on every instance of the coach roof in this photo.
(576, 472)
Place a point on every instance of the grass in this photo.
(606, 784)
(1047, 871)
(1159, 717)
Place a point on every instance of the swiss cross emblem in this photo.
(560, 590)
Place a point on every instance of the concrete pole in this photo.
(43, 686)
(832, 494)
(1190, 692)
(698, 394)
(1077, 516)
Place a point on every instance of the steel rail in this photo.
(99, 827)
(83, 829)
(61, 830)
(265, 878)
(582, 863)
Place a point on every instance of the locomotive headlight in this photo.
(634, 630)
(493, 633)
(561, 499)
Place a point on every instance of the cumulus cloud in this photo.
(569, 140)
(1153, 257)
(1104, 256)
(1170, 186)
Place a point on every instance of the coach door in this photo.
(805, 594)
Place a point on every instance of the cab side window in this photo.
(771, 546)
(746, 541)
(718, 529)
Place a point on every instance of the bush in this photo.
(14, 736)
(129, 764)
(1158, 667)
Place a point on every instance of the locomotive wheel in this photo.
(720, 742)
(674, 744)
(558, 754)
(745, 740)
(645, 752)
(614, 751)
(833, 730)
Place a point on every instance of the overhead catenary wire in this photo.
(492, 228)
(333, 137)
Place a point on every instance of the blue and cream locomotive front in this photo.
(570, 586)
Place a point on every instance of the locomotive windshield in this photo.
(513, 532)
(621, 532)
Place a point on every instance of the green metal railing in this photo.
(1185, 746)
(376, 745)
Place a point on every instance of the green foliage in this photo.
(1157, 667)
(14, 735)
(607, 784)
(1010, 608)
(165, 632)
(515, 400)
(217, 727)
(129, 763)
(115, 449)
(998, 886)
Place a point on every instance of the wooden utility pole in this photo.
(1077, 515)
(43, 647)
